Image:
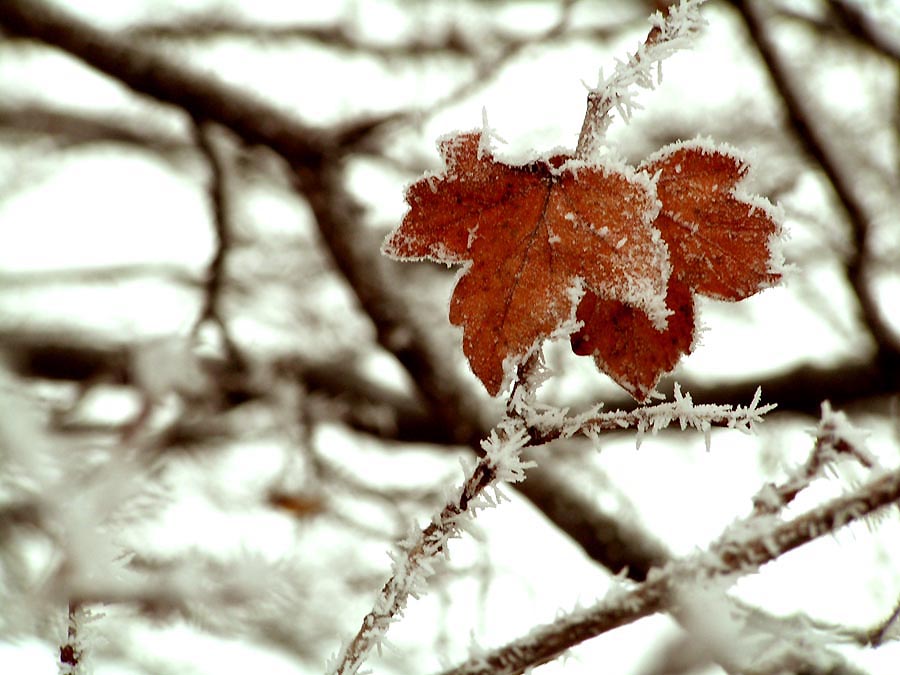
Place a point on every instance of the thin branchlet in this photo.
(643, 70)
(422, 551)
(548, 423)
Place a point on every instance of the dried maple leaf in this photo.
(627, 346)
(720, 245)
(531, 237)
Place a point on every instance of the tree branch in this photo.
(211, 309)
(68, 129)
(729, 556)
(854, 18)
(802, 120)
(152, 74)
(421, 551)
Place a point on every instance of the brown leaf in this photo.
(531, 238)
(627, 346)
(719, 246)
(718, 243)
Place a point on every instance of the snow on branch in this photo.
(742, 549)
(835, 438)
(643, 69)
(415, 562)
(550, 423)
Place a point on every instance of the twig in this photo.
(211, 309)
(833, 438)
(153, 74)
(337, 36)
(880, 632)
(487, 68)
(454, 41)
(421, 550)
(549, 423)
(70, 129)
(217, 198)
(71, 651)
(668, 34)
(853, 17)
(843, 21)
(170, 272)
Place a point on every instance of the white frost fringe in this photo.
(556, 423)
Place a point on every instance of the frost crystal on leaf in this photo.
(515, 289)
(488, 134)
(720, 245)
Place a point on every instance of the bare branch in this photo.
(68, 129)
(878, 635)
(152, 74)
(217, 198)
(812, 139)
(216, 272)
(337, 36)
(854, 18)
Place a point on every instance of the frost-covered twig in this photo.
(415, 563)
(551, 423)
(667, 35)
(743, 548)
(835, 437)
(70, 652)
